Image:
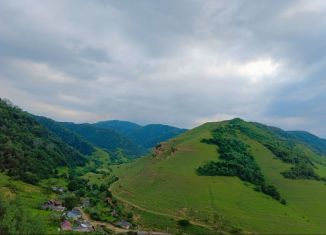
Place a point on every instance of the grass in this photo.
(169, 184)
(33, 197)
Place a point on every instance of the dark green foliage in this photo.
(79, 186)
(67, 136)
(146, 136)
(28, 151)
(301, 171)
(283, 145)
(122, 127)
(312, 141)
(183, 222)
(14, 219)
(71, 201)
(236, 160)
(151, 135)
(107, 139)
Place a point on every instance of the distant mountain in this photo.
(151, 135)
(147, 136)
(66, 135)
(107, 139)
(311, 140)
(28, 151)
(122, 127)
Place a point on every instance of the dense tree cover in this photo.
(28, 151)
(107, 139)
(14, 219)
(236, 160)
(146, 136)
(301, 171)
(316, 143)
(66, 135)
(282, 145)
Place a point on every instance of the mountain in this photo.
(151, 135)
(28, 151)
(107, 139)
(313, 141)
(146, 136)
(66, 135)
(231, 176)
(122, 127)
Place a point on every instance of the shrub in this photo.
(183, 222)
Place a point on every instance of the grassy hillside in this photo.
(20, 208)
(167, 183)
(28, 151)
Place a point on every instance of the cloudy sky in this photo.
(167, 61)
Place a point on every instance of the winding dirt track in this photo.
(159, 213)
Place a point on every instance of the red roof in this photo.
(66, 225)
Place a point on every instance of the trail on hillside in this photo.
(159, 213)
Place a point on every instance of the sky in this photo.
(177, 62)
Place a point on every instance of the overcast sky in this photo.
(167, 61)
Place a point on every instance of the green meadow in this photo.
(167, 184)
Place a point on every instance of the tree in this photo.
(71, 201)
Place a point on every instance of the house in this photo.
(66, 226)
(74, 214)
(124, 224)
(83, 226)
(114, 213)
(58, 189)
(53, 205)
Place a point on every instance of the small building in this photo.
(53, 205)
(83, 226)
(124, 224)
(114, 213)
(58, 189)
(66, 226)
(74, 214)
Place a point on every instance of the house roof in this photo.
(66, 225)
(124, 223)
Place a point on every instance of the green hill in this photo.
(28, 151)
(229, 176)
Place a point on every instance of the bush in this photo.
(183, 222)
(71, 201)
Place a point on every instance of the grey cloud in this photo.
(174, 62)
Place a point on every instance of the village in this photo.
(77, 220)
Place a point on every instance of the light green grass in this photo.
(33, 197)
(169, 184)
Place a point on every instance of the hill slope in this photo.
(69, 137)
(107, 139)
(168, 182)
(146, 136)
(28, 151)
(315, 142)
